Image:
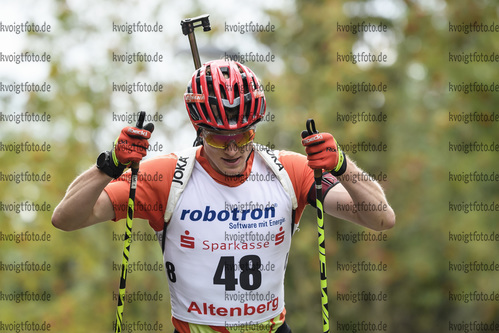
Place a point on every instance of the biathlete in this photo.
(226, 209)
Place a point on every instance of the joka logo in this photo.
(275, 159)
(179, 170)
(186, 240)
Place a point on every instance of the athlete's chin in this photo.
(232, 172)
(232, 167)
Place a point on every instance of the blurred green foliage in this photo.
(306, 42)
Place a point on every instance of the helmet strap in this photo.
(199, 140)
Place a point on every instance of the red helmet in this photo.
(224, 95)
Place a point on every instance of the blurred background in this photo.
(69, 280)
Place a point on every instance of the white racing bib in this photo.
(226, 249)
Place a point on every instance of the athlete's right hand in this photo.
(131, 145)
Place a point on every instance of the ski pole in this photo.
(128, 231)
(321, 237)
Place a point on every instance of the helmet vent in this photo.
(222, 92)
(245, 87)
(225, 71)
(216, 113)
(193, 112)
(205, 112)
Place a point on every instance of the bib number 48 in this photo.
(250, 277)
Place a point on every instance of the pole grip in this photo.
(140, 125)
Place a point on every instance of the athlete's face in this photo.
(231, 159)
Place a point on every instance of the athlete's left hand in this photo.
(323, 152)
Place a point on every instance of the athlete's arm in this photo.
(358, 198)
(85, 202)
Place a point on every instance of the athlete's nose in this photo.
(232, 149)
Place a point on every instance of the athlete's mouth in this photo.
(231, 160)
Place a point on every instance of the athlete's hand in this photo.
(131, 145)
(323, 152)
